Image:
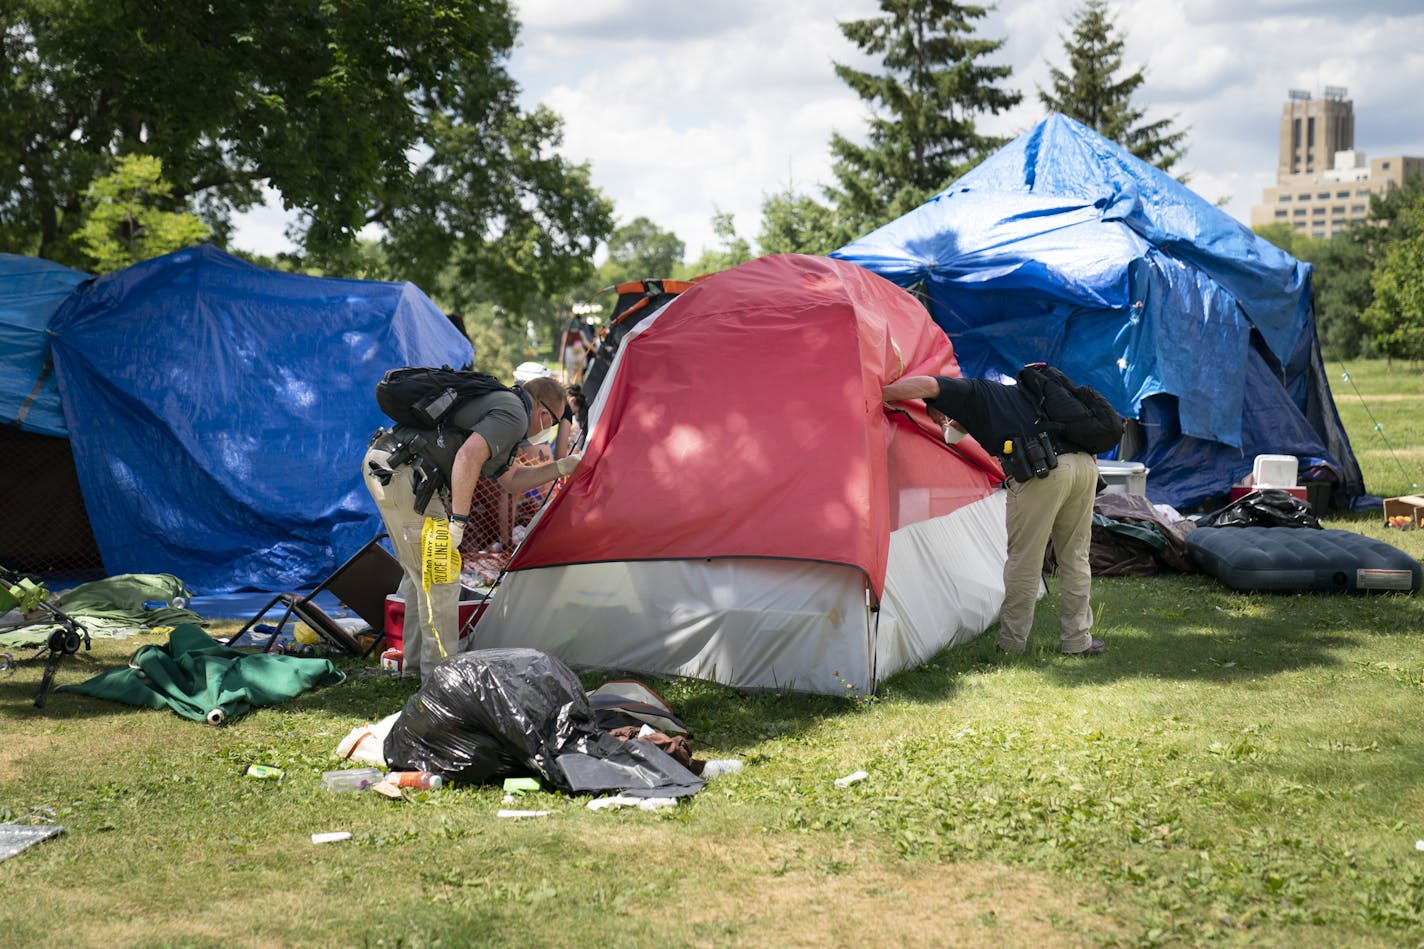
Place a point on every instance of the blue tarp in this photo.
(1064, 247)
(218, 413)
(31, 290)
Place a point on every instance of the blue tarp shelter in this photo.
(1063, 247)
(218, 412)
(31, 290)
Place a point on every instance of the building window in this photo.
(1295, 136)
(1363, 193)
(1285, 199)
(1342, 194)
(1317, 233)
(1323, 195)
(1317, 212)
(1281, 213)
(1384, 166)
(1299, 212)
(1310, 132)
(1357, 209)
(1338, 209)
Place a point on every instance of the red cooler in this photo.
(395, 618)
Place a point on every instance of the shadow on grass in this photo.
(1162, 627)
(1187, 628)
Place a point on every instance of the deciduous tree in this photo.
(793, 223)
(130, 217)
(396, 113)
(734, 248)
(639, 250)
(1395, 317)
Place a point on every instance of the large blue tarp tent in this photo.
(43, 525)
(218, 413)
(31, 290)
(1063, 247)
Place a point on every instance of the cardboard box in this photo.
(1411, 505)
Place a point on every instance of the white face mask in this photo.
(544, 437)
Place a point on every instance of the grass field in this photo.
(1238, 769)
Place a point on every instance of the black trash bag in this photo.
(493, 713)
(1264, 507)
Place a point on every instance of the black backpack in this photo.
(423, 396)
(1079, 414)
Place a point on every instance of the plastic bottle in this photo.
(720, 766)
(419, 780)
(350, 779)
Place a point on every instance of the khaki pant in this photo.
(425, 613)
(1061, 507)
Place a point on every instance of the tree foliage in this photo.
(1395, 316)
(734, 248)
(397, 113)
(1346, 266)
(924, 104)
(1341, 280)
(129, 218)
(1296, 243)
(793, 223)
(639, 250)
(1093, 92)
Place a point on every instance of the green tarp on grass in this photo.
(203, 680)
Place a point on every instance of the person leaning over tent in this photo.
(1057, 503)
(480, 439)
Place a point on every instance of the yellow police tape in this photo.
(440, 563)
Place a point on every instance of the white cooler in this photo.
(1123, 477)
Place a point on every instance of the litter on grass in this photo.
(855, 777)
(17, 837)
(624, 800)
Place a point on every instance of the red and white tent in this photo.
(749, 512)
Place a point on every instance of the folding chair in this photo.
(361, 584)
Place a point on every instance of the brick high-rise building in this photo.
(1322, 182)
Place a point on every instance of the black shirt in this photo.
(990, 411)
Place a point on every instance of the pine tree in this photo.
(1093, 93)
(922, 130)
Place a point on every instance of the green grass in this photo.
(1237, 769)
(1383, 412)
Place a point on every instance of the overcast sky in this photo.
(682, 109)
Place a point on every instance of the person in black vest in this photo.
(480, 438)
(1057, 503)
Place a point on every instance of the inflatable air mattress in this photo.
(1299, 559)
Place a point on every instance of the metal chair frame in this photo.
(361, 584)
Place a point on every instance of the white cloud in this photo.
(684, 109)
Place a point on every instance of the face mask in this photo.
(545, 436)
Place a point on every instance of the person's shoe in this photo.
(1006, 651)
(1096, 647)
